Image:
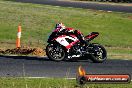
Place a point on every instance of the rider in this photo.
(60, 28)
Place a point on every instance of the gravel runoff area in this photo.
(23, 51)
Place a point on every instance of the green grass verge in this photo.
(38, 21)
(52, 83)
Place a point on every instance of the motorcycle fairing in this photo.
(67, 41)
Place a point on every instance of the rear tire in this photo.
(100, 55)
(55, 52)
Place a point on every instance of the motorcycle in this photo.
(68, 46)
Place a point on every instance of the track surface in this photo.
(19, 66)
(105, 7)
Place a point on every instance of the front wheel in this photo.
(100, 54)
(55, 52)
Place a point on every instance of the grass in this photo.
(35, 83)
(119, 53)
(38, 21)
(52, 83)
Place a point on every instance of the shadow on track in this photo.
(27, 58)
(75, 60)
(42, 59)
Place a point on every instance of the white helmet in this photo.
(60, 25)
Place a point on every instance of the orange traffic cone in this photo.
(18, 45)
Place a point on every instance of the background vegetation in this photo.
(38, 21)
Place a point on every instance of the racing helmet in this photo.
(60, 25)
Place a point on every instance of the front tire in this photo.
(100, 54)
(55, 52)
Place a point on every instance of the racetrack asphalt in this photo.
(88, 5)
(19, 66)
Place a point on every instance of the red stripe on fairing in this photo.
(73, 36)
(91, 36)
(60, 37)
(69, 29)
(79, 32)
(71, 44)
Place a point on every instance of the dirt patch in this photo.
(39, 52)
(24, 51)
(130, 17)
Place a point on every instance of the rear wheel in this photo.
(100, 54)
(55, 52)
